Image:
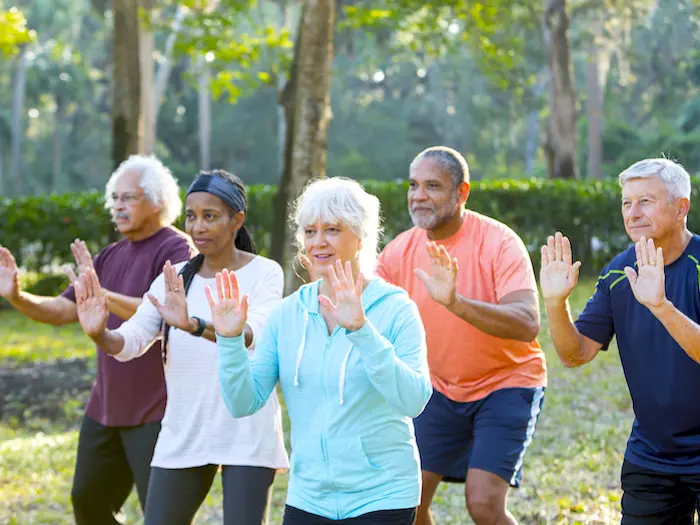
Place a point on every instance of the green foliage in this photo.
(39, 229)
(13, 31)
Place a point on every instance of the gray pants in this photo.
(175, 495)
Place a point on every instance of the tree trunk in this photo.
(57, 157)
(596, 75)
(126, 81)
(532, 133)
(161, 82)
(562, 109)
(17, 133)
(307, 131)
(146, 45)
(204, 115)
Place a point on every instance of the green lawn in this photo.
(571, 469)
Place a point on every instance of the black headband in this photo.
(222, 188)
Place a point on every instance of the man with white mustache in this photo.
(473, 281)
(127, 402)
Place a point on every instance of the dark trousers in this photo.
(658, 498)
(294, 516)
(175, 495)
(110, 460)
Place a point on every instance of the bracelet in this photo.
(201, 326)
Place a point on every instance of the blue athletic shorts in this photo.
(490, 434)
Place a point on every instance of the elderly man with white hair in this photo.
(123, 414)
(649, 298)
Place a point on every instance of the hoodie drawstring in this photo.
(302, 344)
(343, 369)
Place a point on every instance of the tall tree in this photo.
(560, 145)
(307, 130)
(126, 81)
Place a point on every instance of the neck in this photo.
(674, 244)
(231, 258)
(144, 233)
(448, 228)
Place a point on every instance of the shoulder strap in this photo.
(188, 271)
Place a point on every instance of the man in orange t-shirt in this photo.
(472, 279)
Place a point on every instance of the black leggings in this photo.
(175, 495)
(110, 461)
(294, 516)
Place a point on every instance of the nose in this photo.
(198, 226)
(419, 194)
(318, 240)
(635, 210)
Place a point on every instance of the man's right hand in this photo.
(558, 275)
(9, 275)
(92, 306)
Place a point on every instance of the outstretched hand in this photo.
(347, 309)
(558, 274)
(9, 274)
(229, 311)
(648, 281)
(441, 283)
(174, 309)
(83, 260)
(91, 304)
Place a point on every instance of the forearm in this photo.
(684, 331)
(507, 321)
(566, 338)
(56, 311)
(122, 306)
(109, 341)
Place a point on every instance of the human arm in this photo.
(246, 382)
(516, 315)
(648, 287)
(56, 311)
(558, 278)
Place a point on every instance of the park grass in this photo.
(571, 469)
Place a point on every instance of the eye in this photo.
(433, 186)
(210, 216)
(645, 201)
(412, 185)
(189, 216)
(308, 231)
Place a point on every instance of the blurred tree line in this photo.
(479, 76)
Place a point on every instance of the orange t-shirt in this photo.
(467, 364)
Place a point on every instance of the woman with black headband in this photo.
(198, 434)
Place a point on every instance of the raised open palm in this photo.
(9, 274)
(648, 282)
(441, 282)
(229, 311)
(91, 304)
(174, 308)
(347, 308)
(558, 275)
(83, 260)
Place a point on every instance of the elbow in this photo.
(529, 331)
(422, 401)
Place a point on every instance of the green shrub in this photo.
(39, 230)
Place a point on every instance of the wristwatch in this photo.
(201, 326)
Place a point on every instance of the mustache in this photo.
(120, 215)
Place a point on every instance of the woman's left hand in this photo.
(347, 310)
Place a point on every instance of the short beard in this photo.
(440, 217)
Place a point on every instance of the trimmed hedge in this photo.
(39, 230)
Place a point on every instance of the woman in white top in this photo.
(198, 434)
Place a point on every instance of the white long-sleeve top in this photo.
(197, 429)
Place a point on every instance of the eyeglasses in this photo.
(126, 198)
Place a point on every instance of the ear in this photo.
(463, 192)
(238, 219)
(682, 208)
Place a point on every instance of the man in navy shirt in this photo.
(649, 298)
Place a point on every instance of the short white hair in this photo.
(344, 201)
(157, 183)
(672, 174)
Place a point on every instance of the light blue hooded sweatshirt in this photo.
(351, 397)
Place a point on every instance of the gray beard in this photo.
(440, 217)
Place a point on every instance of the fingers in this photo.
(651, 252)
(422, 275)
(227, 283)
(244, 307)
(181, 284)
(154, 301)
(349, 279)
(333, 278)
(660, 259)
(558, 246)
(566, 250)
(79, 288)
(235, 290)
(455, 265)
(360, 285)
(305, 262)
(7, 259)
(220, 285)
(544, 252)
(631, 275)
(551, 253)
(326, 303)
(573, 275)
(340, 274)
(210, 294)
(70, 274)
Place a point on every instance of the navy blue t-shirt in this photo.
(663, 380)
